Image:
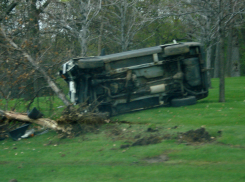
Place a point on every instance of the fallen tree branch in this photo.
(46, 122)
(69, 124)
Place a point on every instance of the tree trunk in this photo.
(123, 9)
(100, 37)
(221, 36)
(216, 63)
(235, 57)
(229, 53)
(208, 64)
(222, 70)
(83, 34)
(46, 122)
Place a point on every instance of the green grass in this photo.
(98, 157)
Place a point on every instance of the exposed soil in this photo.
(195, 136)
(125, 146)
(79, 122)
(72, 115)
(152, 139)
(157, 159)
(13, 180)
(113, 130)
(141, 141)
(151, 130)
(167, 136)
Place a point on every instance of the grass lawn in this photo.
(99, 156)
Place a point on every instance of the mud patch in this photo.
(195, 136)
(157, 159)
(141, 141)
(151, 130)
(72, 115)
(168, 136)
(152, 139)
(114, 130)
(124, 146)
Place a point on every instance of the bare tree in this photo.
(20, 42)
(225, 18)
(37, 67)
(233, 65)
(125, 19)
(75, 18)
(210, 20)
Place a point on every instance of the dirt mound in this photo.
(141, 141)
(81, 119)
(198, 135)
(152, 139)
(113, 130)
(81, 115)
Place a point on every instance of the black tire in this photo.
(191, 100)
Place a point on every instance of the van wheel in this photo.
(178, 102)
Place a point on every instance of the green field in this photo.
(100, 155)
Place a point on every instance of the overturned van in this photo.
(165, 75)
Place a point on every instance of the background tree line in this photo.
(37, 36)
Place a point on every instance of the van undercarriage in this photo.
(172, 75)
